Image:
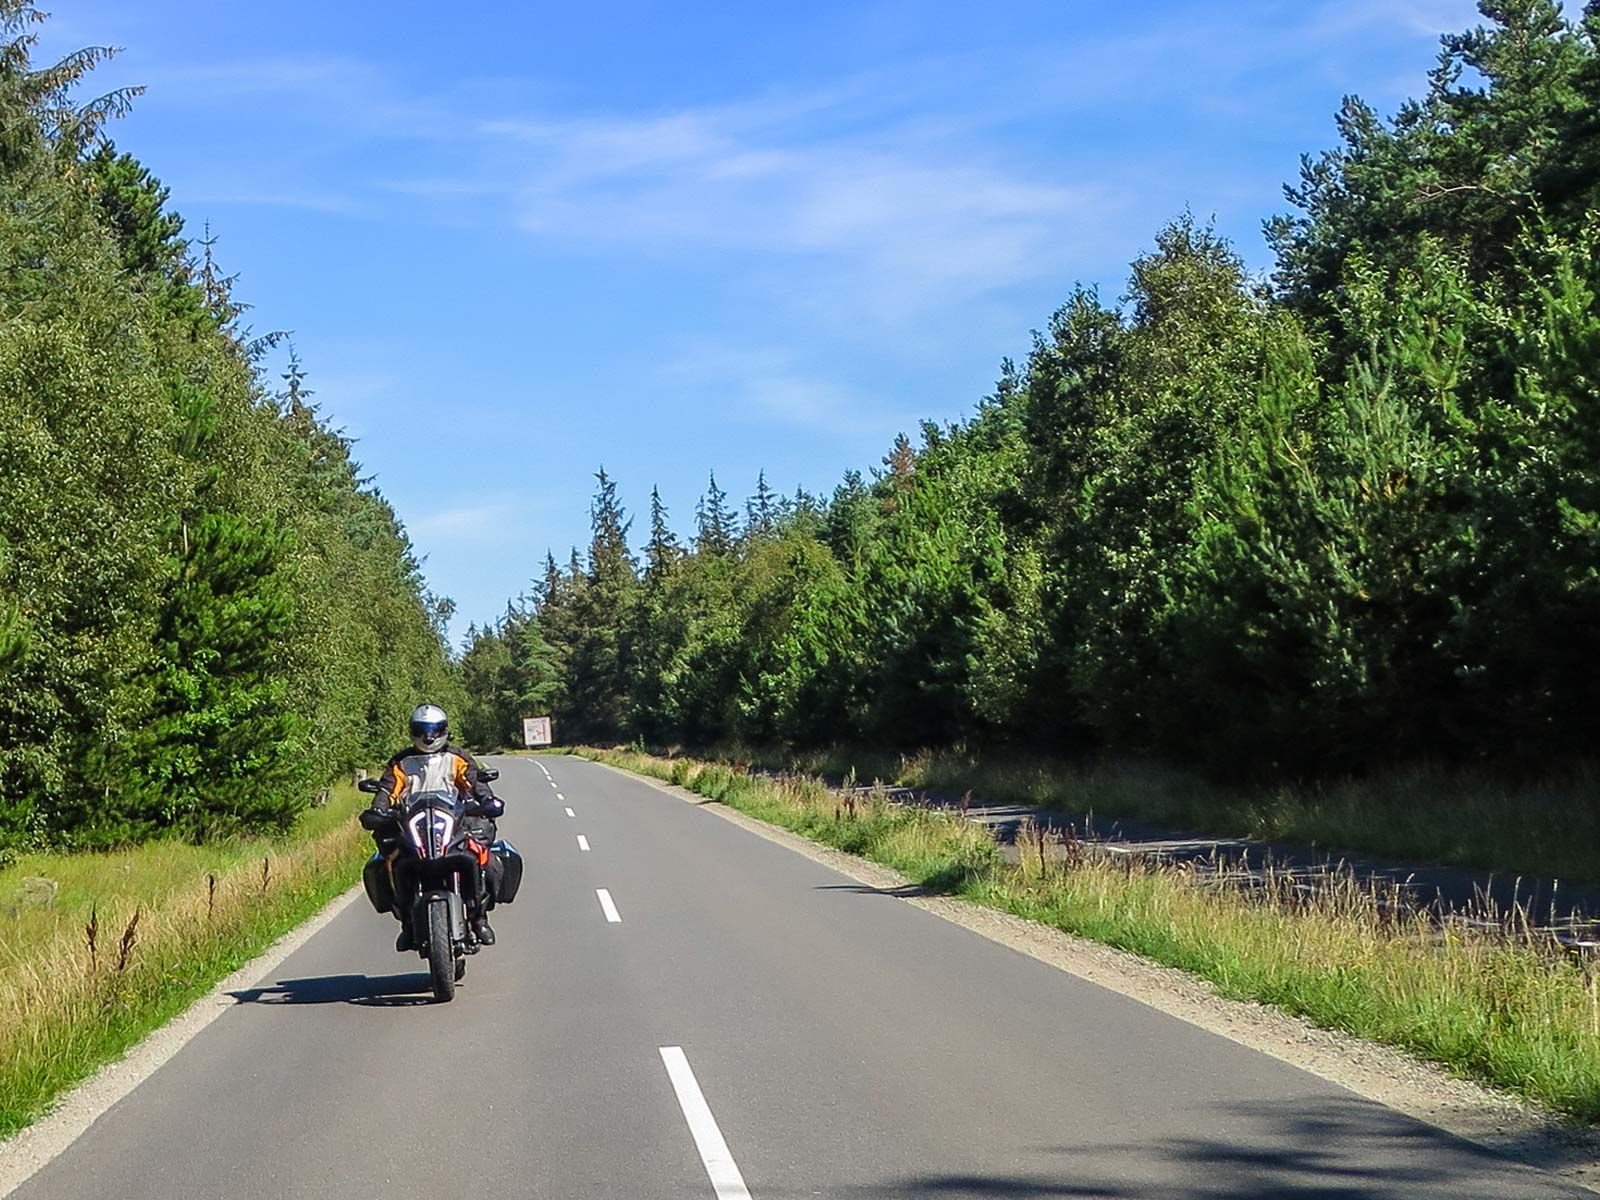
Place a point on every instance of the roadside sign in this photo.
(536, 731)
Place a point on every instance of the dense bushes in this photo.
(1347, 516)
(203, 613)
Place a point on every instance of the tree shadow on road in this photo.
(377, 991)
(862, 889)
(1332, 1148)
(948, 880)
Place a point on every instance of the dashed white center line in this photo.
(607, 907)
(559, 796)
(583, 843)
(714, 1153)
(570, 813)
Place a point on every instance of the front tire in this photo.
(441, 960)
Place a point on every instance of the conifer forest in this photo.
(205, 610)
(1324, 519)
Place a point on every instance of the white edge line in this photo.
(36, 1146)
(608, 907)
(583, 843)
(714, 1153)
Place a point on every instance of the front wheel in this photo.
(441, 960)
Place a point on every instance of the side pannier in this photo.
(510, 873)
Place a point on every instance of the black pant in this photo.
(485, 831)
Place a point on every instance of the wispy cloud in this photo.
(900, 221)
(883, 196)
(1423, 18)
(672, 257)
(475, 523)
(244, 195)
(768, 385)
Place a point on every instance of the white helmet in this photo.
(430, 728)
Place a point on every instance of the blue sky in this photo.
(533, 239)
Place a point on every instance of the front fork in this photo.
(461, 934)
(456, 914)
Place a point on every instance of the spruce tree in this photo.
(662, 551)
(610, 561)
(761, 511)
(716, 527)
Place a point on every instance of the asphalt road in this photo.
(753, 1023)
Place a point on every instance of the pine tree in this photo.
(610, 561)
(538, 671)
(662, 551)
(216, 287)
(901, 461)
(548, 586)
(761, 511)
(295, 396)
(716, 527)
(150, 236)
(899, 472)
(597, 668)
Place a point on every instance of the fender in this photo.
(458, 914)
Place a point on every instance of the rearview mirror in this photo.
(368, 785)
(488, 774)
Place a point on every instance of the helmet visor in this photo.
(425, 734)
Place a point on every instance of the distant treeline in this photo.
(204, 613)
(1343, 515)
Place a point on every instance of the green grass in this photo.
(67, 1007)
(1454, 816)
(1510, 1011)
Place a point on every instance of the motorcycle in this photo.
(431, 863)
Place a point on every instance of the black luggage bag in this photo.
(375, 875)
(505, 887)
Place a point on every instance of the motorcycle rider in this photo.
(431, 765)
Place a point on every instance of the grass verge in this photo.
(99, 949)
(1465, 817)
(1511, 1011)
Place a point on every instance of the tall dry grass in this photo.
(1436, 813)
(98, 949)
(1505, 1005)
